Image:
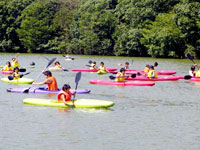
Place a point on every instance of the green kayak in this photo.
(18, 81)
(22, 67)
(101, 72)
(81, 103)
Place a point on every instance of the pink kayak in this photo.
(93, 70)
(142, 78)
(6, 72)
(124, 83)
(160, 72)
(195, 79)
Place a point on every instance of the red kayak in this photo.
(123, 83)
(94, 70)
(167, 78)
(6, 72)
(160, 72)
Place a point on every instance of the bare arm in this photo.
(47, 81)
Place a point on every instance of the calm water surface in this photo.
(162, 117)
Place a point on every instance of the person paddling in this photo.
(126, 66)
(120, 75)
(7, 67)
(146, 69)
(192, 71)
(57, 65)
(15, 63)
(102, 68)
(50, 81)
(65, 95)
(93, 65)
(152, 73)
(16, 74)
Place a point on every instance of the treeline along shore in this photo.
(147, 28)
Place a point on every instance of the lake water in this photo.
(161, 117)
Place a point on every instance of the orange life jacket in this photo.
(53, 85)
(66, 94)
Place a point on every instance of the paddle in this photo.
(77, 79)
(11, 77)
(22, 70)
(187, 77)
(113, 77)
(17, 55)
(50, 62)
(155, 64)
(191, 58)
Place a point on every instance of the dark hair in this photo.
(94, 62)
(57, 62)
(16, 68)
(152, 67)
(47, 73)
(102, 63)
(13, 58)
(122, 69)
(9, 65)
(66, 86)
(127, 63)
(193, 68)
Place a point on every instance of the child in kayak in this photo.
(16, 74)
(102, 68)
(65, 95)
(15, 63)
(93, 65)
(152, 73)
(126, 66)
(120, 75)
(192, 71)
(7, 67)
(146, 69)
(57, 65)
(50, 81)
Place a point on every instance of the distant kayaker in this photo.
(7, 67)
(197, 73)
(120, 75)
(126, 66)
(152, 73)
(65, 95)
(192, 71)
(15, 63)
(50, 81)
(57, 65)
(102, 67)
(93, 65)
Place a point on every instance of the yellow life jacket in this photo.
(120, 77)
(146, 69)
(15, 64)
(16, 75)
(6, 68)
(58, 66)
(102, 68)
(197, 74)
(150, 74)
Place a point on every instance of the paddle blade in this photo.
(17, 55)
(22, 70)
(187, 77)
(88, 65)
(10, 77)
(65, 70)
(26, 90)
(112, 77)
(89, 61)
(139, 74)
(133, 75)
(32, 63)
(51, 61)
(190, 57)
(78, 77)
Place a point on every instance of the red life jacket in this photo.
(66, 94)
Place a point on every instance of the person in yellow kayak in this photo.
(102, 68)
(65, 95)
(50, 81)
(93, 65)
(120, 75)
(7, 67)
(57, 65)
(16, 74)
(15, 63)
(152, 73)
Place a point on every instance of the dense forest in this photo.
(148, 28)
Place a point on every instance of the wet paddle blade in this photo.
(10, 77)
(187, 77)
(89, 61)
(50, 62)
(22, 70)
(190, 57)
(133, 75)
(112, 77)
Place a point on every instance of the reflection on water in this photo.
(164, 116)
